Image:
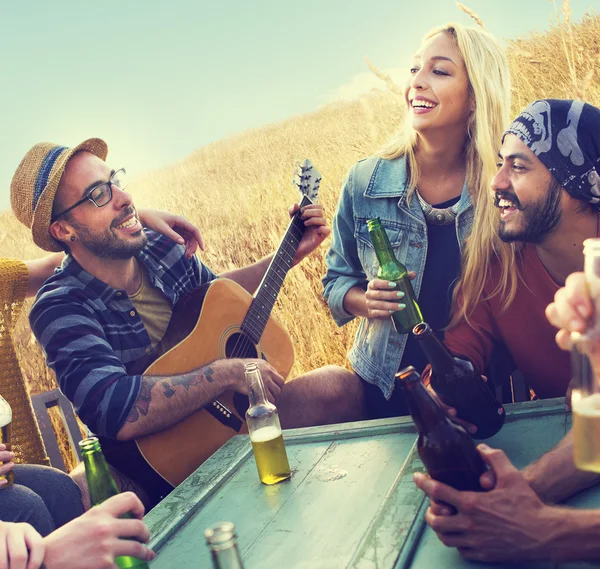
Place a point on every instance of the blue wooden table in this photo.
(350, 503)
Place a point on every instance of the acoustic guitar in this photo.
(216, 321)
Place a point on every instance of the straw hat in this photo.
(35, 182)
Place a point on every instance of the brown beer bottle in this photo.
(446, 449)
(458, 384)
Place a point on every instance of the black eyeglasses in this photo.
(101, 194)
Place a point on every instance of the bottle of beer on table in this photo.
(445, 448)
(265, 431)
(390, 269)
(5, 428)
(222, 541)
(585, 362)
(460, 386)
(102, 486)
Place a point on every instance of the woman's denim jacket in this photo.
(377, 188)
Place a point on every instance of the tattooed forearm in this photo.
(142, 403)
(169, 386)
(187, 380)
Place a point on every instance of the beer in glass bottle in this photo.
(445, 448)
(222, 541)
(5, 428)
(460, 386)
(266, 437)
(102, 486)
(585, 362)
(390, 269)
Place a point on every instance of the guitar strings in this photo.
(244, 343)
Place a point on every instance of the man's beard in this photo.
(540, 219)
(107, 245)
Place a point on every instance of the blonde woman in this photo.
(424, 186)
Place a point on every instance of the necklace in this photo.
(438, 216)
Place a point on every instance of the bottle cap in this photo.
(373, 223)
(220, 533)
(591, 246)
(421, 329)
(408, 375)
(89, 444)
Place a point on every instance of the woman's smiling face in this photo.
(438, 94)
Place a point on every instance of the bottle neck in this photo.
(256, 389)
(101, 484)
(222, 541)
(426, 412)
(226, 557)
(381, 243)
(441, 360)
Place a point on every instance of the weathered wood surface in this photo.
(351, 502)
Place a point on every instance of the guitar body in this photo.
(205, 326)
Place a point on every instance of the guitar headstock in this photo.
(308, 179)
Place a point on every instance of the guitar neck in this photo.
(260, 309)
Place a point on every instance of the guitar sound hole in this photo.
(240, 346)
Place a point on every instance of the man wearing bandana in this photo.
(547, 189)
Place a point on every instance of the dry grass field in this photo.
(238, 190)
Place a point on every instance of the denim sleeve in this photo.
(344, 269)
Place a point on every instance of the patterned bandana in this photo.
(565, 136)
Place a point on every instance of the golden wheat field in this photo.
(238, 190)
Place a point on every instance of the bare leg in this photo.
(323, 396)
(124, 483)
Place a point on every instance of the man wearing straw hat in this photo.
(112, 301)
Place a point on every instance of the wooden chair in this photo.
(42, 402)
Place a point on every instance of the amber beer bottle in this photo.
(265, 431)
(460, 386)
(222, 541)
(390, 269)
(5, 433)
(446, 450)
(102, 486)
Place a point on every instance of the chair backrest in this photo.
(42, 402)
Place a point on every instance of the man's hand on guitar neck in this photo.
(316, 230)
(165, 400)
(249, 277)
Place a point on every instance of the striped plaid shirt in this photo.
(92, 334)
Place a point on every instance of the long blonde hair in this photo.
(489, 88)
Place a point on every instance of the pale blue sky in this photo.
(159, 79)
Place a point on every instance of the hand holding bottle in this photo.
(100, 535)
(456, 381)
(272, 380)
(384, 297)
(572, 312)
(452, 413)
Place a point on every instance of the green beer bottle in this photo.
(390, 269)
(222, 542)
(102, 486)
